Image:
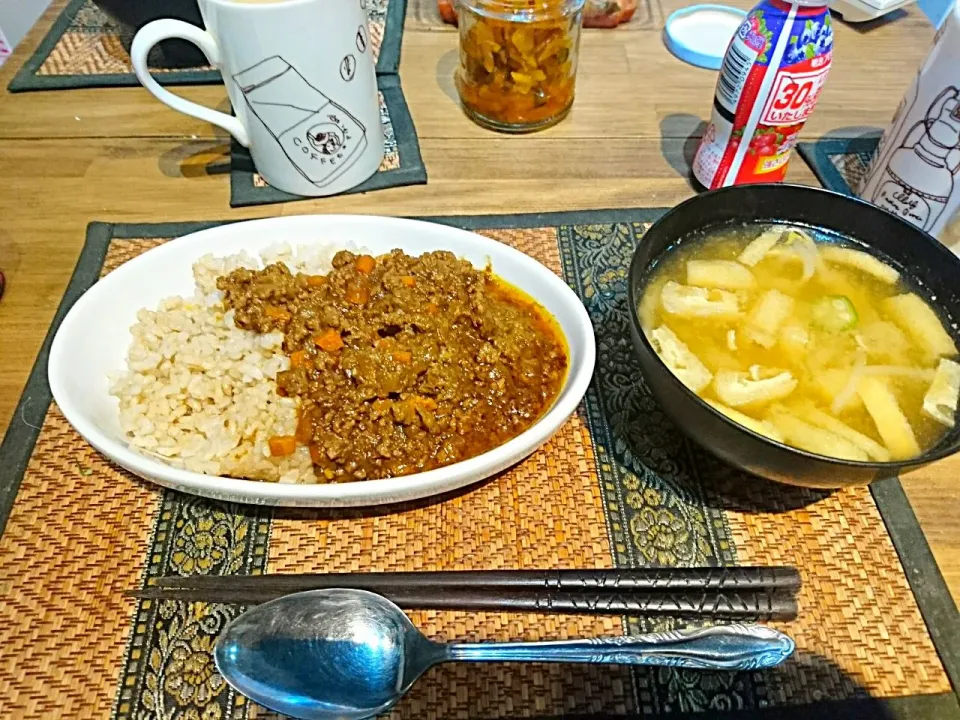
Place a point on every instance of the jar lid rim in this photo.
(525, 10)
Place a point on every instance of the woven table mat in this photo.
(402, 163)
(85, 48)
(617, 486)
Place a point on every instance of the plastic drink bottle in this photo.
(770, 80)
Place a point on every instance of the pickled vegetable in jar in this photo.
(518, 61)
(596, 13)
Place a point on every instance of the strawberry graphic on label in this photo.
(770, 80)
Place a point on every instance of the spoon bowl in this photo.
(343, 654)
(325, 654)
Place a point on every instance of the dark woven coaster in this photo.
(86, 48)
(402, 164)
(839, 163)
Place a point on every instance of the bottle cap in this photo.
(699, 35)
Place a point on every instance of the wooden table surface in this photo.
(70, 157)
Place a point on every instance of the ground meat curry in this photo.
(402, 364)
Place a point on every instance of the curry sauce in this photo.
(402, 364)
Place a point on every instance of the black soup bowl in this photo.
(929, 266)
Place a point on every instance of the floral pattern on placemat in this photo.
(92, 20)
(169, 669)
(852, 167)
(657, 513)
(662, 517)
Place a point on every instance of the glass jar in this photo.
(518, 61)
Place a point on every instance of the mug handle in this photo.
(152, 33)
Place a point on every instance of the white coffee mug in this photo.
(301, 78)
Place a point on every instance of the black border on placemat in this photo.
(926, 582)
(388, 61)
(27, 79)
(412, 171)
(817, 155)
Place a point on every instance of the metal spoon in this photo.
(349, 654)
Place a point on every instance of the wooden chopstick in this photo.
(757, 593)
(652, 579)
(757, 605)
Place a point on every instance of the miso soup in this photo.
(817, 344)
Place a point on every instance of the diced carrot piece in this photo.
(299, 358)
(365, 264)
(304, 431)
(329, 341)
(408, 280)
(404, 357)
(316, 454)
(432, 308)
(357, 295)
(316, 280)
(276, 313)
(281, 445)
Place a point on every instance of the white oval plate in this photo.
(95, 335)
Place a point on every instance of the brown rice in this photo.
(200, 393)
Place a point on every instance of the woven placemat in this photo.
(877, 635)
(402, 164)
(840, 163)
(84, 48)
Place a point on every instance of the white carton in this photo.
(915, 171)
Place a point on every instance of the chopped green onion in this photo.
(834, 313)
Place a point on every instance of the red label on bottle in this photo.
(793, 96)
(766, 91)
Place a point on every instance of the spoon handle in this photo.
(722, 647)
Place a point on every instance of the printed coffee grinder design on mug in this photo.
(319, 136)
(921, 173)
